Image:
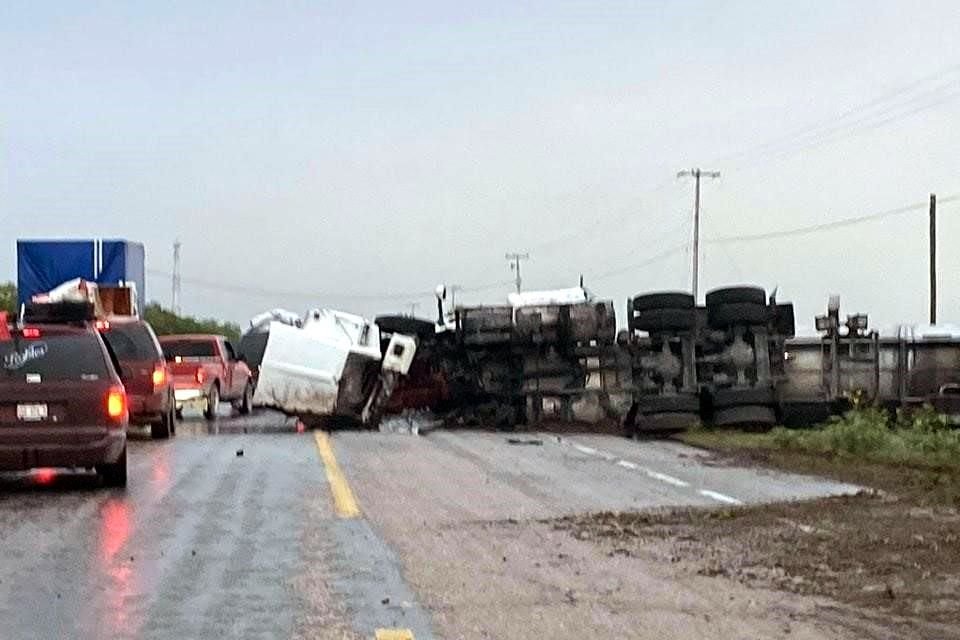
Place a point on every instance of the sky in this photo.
(354, 155)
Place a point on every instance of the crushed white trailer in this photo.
(332, 365)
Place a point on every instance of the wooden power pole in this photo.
(933, 258)
(697, 173)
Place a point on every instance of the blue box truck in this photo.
(45, 264)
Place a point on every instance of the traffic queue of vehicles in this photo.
(71, 382)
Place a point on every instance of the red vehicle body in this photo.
(143, 371)
(206, 370)
(62, 403)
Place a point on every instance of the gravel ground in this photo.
(892, 553)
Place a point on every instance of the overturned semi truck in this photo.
(722, 362)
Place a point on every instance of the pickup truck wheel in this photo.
(213, 402)
(246, 403)
(115, 473)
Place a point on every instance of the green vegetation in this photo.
(919, 438)
(168, 323)
(8, 297)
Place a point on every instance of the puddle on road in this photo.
(260, 421)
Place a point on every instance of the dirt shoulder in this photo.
(893, 552)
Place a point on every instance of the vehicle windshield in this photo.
(59, 357)
(131, 341)
(188, 349)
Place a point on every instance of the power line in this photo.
(316, 295)
(879, 106)
(861, 126)
(584, 231)
(637, 265)
(826, 226)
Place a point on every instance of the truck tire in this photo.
(664, 300)
(661, 424)
(654, 320)
(407, 325)
(784, 320)
(213, 401)
(722, 316)
(745, 416)
(725, 398)
(114, 474)
(686, 403)
(732, 295)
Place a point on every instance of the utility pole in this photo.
(175, 297)
(933, 258)
(697, 173)
(515, 259)
(453, 294)
(413, 309)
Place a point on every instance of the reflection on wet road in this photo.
(203, 543)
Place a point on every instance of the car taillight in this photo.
(116, 403)
(159, 376)
(30, 332)
(201, 375)
(102, 325)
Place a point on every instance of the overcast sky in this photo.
(364, 152)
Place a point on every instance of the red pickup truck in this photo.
(205, 370)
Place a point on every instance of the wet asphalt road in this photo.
(207, 543)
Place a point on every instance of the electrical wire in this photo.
(278, 293)
(878, 106)
(826, 226)
(637, 265)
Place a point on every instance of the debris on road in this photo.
(531, 441)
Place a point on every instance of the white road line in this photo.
(677, 482)
(719, 496)
(583, 449)
(627, 465)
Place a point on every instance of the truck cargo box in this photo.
(43, 265)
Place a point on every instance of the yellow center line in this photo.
(394, 634)
(343, 501)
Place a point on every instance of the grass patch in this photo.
(915, 455)
(920, 438)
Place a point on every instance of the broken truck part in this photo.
(331, 366)
(720, 362)
(851, 363)
(546, 354)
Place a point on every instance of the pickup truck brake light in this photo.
(201, 375)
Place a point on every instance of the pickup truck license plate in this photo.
(31, 412)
